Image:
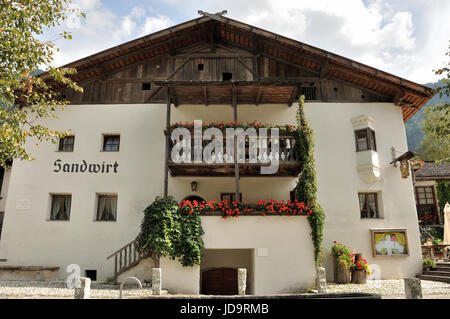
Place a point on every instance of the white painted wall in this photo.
(30, 239)
(283, 259)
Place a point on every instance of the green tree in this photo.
(442, 112)
(24, 98)
(436, 144)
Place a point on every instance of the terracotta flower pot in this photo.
(359, 277)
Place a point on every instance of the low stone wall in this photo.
(25, 273)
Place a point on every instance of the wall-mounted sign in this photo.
(85, 167)
(404, 168)
(389, 242)
(23, 204)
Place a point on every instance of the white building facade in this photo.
(277, 251)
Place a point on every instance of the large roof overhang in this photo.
(215, 28)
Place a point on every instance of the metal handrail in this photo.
(425, 231)
(127, 279)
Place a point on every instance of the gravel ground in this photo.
(394, 288)
(58, 289)
(35, 289)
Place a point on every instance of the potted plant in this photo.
(343, 260)
(428, 264)
(360, 270)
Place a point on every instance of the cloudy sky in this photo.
(407, 38)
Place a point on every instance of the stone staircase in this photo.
(441, 273)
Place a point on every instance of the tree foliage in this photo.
(24, 98)
(436, 143)
(307, 183)
(442, 112)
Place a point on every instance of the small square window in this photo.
(146, 86)
(106, 208)
(111, 143)
(91, 274)
(60, 209)
(66, 144)
(368, 204)
(230, 197)
(200, 66)
(226, 76)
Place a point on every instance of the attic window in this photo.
(200, 66)
(309, 93)
(226, 76)
(146, 86)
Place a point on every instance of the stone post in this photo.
(242, 281)
(156, 281)
(83, 290)
(321, 280)
(413, 288)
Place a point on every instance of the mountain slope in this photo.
(414, 133)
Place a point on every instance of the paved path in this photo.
(393, 288)
(34, 289)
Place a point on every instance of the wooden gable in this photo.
(213, 60)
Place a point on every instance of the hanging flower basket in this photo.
(416, 165)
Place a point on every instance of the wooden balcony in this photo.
(289, 166)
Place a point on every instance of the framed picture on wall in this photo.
(389, 242)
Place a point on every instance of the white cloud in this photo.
(103, 29)
(157, 23)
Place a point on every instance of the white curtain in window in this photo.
(66, 210)
(112, 208)
(56, 206)
(101, 208)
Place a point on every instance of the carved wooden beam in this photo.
(293, 96)
(233, 95)
(205, 94)
(173, 95)
(324, 69)
(258, 95)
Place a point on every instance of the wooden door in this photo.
(220, 281)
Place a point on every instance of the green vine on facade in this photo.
(307, 183)
(169, 230)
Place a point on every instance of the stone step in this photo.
(434, 278)
(437, 273)
(443, 265)
(439, 268)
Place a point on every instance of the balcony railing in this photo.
(251, 155)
